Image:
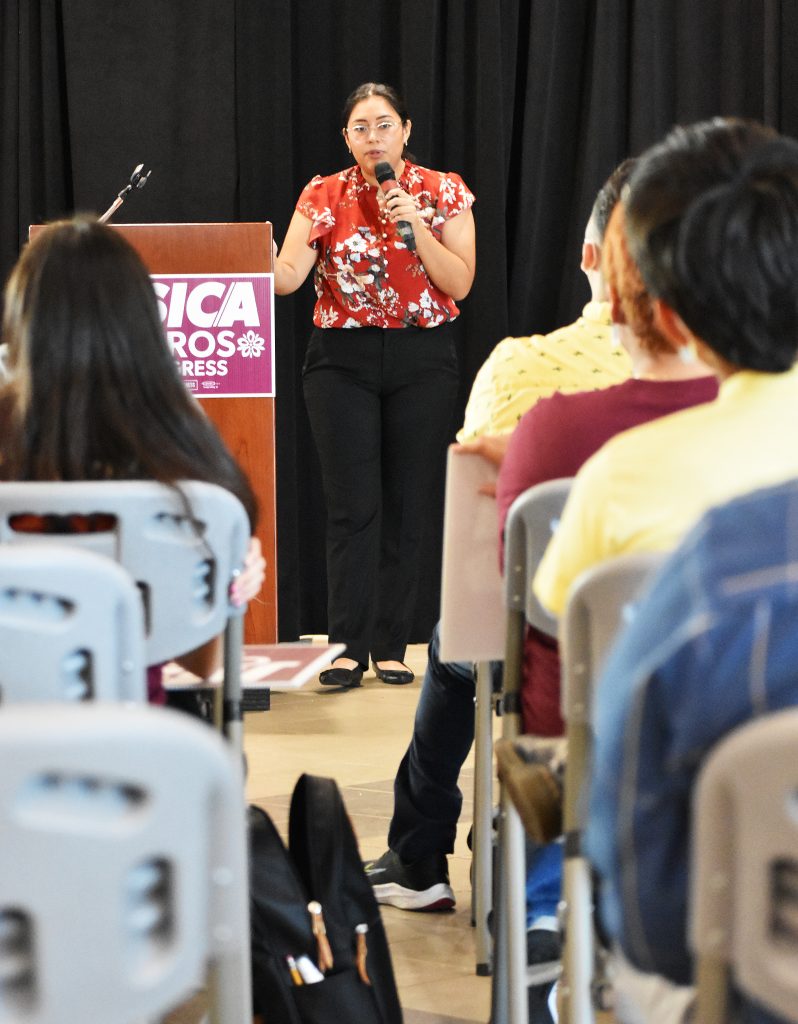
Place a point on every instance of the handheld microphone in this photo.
(384, 174)
(138, 179)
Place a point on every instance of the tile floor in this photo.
(358, 738)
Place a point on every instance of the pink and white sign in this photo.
(220, 328)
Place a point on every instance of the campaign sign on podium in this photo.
(220, 328)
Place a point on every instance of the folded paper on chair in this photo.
(275, 666)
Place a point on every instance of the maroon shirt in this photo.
(553, 440)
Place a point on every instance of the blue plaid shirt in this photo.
(714, 644)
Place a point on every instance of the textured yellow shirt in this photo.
(646, 487)
(519, 371)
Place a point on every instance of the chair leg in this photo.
(578, 953)
(229, 991)
(712, 1000)
(513, 856)
(509, 983)
(499, 992)
(509, 1001)
(232, 709)
(482, 833)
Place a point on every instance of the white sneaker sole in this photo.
(542, 974)
(437, 897)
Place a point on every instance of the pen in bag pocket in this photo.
(293, 970)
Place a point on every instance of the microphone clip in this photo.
(138, 179)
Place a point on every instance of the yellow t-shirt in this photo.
(520, 371)
(646, 487)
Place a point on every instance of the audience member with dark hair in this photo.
(552, 440)
(380, 372)
(714, 644)
(711, 217)
(556, 437)
(93, 392)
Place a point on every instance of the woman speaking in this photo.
(380, 372)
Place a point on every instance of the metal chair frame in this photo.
(472, 629)
(600, 603)
(532, 519)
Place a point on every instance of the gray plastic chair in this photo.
(71, 627)
(123, 871)
(473, 629)
(182, 548)
(744, 881)
(600, 603)
(532, 519)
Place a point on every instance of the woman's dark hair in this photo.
(387, 92)
(94, 391)
(712, 222)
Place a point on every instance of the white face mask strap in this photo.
(687, 353)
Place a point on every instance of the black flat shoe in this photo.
(394, 676)
(345, 678)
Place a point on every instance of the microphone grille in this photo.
(384, 172)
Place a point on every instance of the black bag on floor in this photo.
(319, 951)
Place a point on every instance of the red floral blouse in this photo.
(365, 275)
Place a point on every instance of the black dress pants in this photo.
(380, 404)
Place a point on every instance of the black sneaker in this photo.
(539, 1004)
(542, 946)
(543, 955)
(423, 885)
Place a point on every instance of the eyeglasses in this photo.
(362, 131)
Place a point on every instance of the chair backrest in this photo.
(123, 871)
(744, 876)
(531, 521)
(71, 627)
(181, 546)
(472, 621)
(601, 602)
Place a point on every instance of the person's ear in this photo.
(407, 127)
(346, 139)
(669, 323)
(591, 257)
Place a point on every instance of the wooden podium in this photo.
(246, 424)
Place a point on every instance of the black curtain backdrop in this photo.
(235, 105)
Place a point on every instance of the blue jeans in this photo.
(427, 799)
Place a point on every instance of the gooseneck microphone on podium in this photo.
(384, 174)
(138, 179)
